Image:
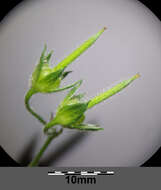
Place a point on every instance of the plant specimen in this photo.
(71, 111)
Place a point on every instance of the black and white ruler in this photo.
(82, 173)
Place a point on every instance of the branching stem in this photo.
(28, 107)
(49, 139)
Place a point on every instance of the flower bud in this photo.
(44, 79)
(70, 112)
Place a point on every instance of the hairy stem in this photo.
(49, 139)
(28, 107)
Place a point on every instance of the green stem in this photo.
(27, 99)
(49, 139)
(49, 125)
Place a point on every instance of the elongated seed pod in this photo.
(103, 96)
(77, 52)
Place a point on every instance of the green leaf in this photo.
(103, 96)
(76, 53)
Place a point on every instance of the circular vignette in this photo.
(9, 5)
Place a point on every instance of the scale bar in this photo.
(85, 173)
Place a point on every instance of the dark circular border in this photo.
(6, 6)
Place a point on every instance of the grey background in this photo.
(132, 43)
(124, 178)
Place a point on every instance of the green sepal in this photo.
(65, 74)
(48, 57)
(77, 97)
(37, 71)
(49, 82)
(52, 76)
(63, 88)
(71, 93)
(80, 121)
(85, 127)
(69, 114)
(45, 79)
